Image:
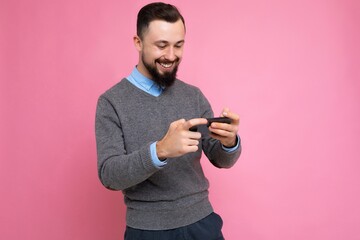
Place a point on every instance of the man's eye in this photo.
(161, 46)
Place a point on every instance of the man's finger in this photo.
(194, 122)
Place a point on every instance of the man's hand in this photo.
(226, 133)
(179, 140)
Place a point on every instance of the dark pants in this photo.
(208, 228)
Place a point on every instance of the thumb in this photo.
(225, 111)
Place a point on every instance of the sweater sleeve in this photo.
(118, 169)
(213, 148)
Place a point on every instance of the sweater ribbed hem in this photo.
(164, 220)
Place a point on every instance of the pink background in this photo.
(289, 68)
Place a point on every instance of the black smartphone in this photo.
(211, 120)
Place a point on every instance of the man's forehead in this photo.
(161, 27)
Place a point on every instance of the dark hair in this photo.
(156, 11)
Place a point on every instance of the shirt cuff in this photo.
(156, 161)
(233, 148)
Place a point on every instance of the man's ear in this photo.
(137, 43)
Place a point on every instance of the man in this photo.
(145, 147)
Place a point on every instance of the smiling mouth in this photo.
(166, 65)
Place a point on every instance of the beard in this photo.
(165, 79)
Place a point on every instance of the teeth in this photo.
(166, 65)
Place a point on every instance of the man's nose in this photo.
(170, 54)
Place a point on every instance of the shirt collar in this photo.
(143, 81)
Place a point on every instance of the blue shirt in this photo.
(144, 83)
(149, 86)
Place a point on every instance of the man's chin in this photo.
(165, 80)
(162, 78)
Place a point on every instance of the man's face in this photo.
(161, 51)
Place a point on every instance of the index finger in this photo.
(194, 122)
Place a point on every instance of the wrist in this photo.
(230, 144)
(161, 154)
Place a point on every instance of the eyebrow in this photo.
(166, 42)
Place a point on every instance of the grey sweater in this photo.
(128, 120)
